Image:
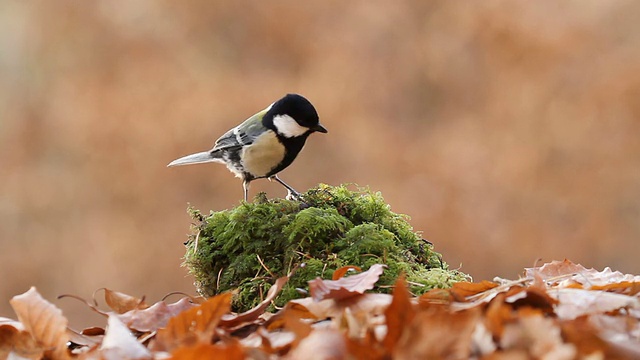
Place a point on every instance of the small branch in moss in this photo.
(218, 278)
(195, 246)
(265, 266)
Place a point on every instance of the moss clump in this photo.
(332, 227)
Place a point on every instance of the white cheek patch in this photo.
(288, 127)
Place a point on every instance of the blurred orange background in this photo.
(508, 131)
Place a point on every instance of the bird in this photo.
(265, 143)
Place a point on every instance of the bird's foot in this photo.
(293, 195)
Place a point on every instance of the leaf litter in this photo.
(559, 310)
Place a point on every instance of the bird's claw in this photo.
(293, 195)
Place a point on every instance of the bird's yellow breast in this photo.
(263, 155)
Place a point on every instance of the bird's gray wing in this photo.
(243, 134)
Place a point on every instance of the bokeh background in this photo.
(508, 130)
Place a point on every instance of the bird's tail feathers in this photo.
(199, 158)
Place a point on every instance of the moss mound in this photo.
(332, 227)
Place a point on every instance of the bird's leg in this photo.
(292, 193)
(245, 187)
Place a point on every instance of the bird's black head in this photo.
(293, 116)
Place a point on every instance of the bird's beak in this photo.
(319, 128)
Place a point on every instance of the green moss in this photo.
(332, 227)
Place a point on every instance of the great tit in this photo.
(264, 144)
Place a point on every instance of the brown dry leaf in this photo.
(498, 314)
(119, 342)
(195, 325)
(339, 273)
(621, 333)
(297, 310)
(569, 273)
(534, 297)
(44, 321)
(437, 333)
(321, 344)
(366, 348)
(231, 351)
(270, 342)
(461, 290)
(232, 320)
(435, 296)
(537, 334)
(625, 287)
(156, 316)
(399, 313)
(121, 303)
(373, 304)
(584, 336)
(16, 343)
(299, 328)
(555, 269)
(85, 339)
(574, 303)
(345, 287)
(510, 355)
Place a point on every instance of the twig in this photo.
(265, 266)
(195, 246)
(218, 279)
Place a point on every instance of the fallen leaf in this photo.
(209, 352)
(300, 311)
(573, 303)
(231, 320)
(497, 315)
(482, 343)
(461, 290)
(533, 297)
(271, 342)
(374, 304)
(435, 296)
(121, 303)
(566, 273)
(621, 333)
(399, 313)
(345, 287)
(85, 339)
(16, 343)
(44, 321)
(437, 333)
(625, 287)
(299, 328)
(119, 343)
(365, 348)
(321, 344)
(339, 273)
(582, 334)
(537, 334)
(195, 325)
(156, 316)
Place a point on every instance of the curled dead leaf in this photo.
(120, 343)
(339, 273)
(321, 344)
(399, 313)
(44, 321)
(231, 351)
(121, 303)
(461, 290)
(345, 287)
(16, 343)
(195, 325)
(156, 316)
(232, 320)
(573, 303)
